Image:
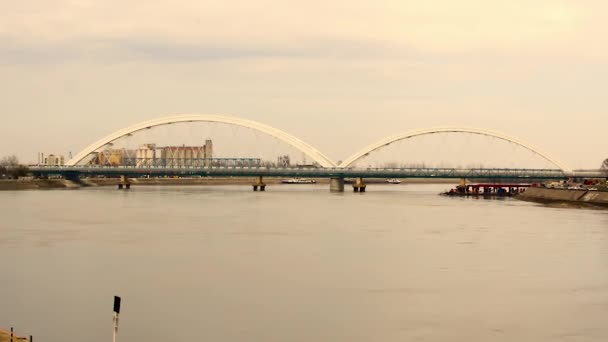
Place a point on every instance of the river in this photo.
(296, 263)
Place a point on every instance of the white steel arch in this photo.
(387, 141)
(276, 133)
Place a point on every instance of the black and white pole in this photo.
(116, 312)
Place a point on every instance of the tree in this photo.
(19, 171)
(9, 161)
(10, 167)
(605, 165)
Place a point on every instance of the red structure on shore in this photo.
(488, 189)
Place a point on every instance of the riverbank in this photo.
(41, 184)
(565, 196)
(5, 336)
(33, 184)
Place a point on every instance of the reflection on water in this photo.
(296, 263)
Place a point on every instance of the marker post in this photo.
(115, 320)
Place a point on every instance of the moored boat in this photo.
(487, 190)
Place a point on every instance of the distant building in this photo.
(111, 157)
(149, 155)
(208, 149)
(174, 156)
(54, 160)
(178, 156)
(153, 155)
(116, 157)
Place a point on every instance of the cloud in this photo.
(150, 49)
(516, 64)
(191, 30)
(323, 48)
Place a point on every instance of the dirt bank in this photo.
(32, 184)
(579, 197)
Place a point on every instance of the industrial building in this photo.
(53, 160)
(178, 156)
(153, 155)
(114, 157)
(148, 154)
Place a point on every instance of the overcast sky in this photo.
(337, 74)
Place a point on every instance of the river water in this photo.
(222, 263)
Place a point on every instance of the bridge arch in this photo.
(410, 134)
(313, 153)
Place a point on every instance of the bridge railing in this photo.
(85, 167)
(247, 171)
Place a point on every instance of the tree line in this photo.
(11, 168)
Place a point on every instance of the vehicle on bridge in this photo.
(299, 181)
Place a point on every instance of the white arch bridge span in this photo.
(313, 153)
(302, 146)
(78, 166)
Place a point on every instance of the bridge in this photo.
(325, 167)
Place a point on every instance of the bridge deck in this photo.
(313, 172)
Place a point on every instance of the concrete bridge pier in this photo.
(124, 183)
(259, 184)
(359, 185)
(336, 184)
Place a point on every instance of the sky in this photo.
(340, 75)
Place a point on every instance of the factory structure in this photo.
(51, 159)
(152, 155)
(174, 156)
